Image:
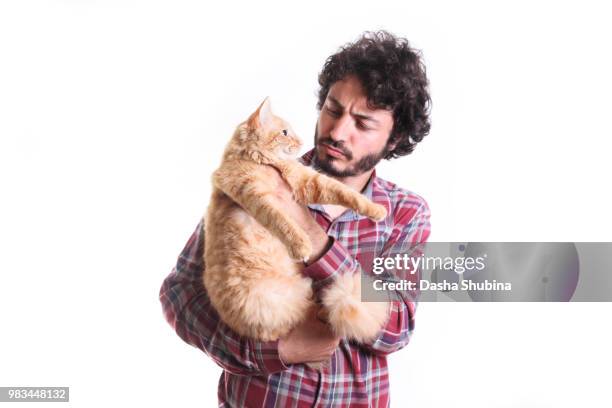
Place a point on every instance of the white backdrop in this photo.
(113, 114)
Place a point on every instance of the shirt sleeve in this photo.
(411, 230)
(187, 308)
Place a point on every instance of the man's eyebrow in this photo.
(335, 101)
(358, 115)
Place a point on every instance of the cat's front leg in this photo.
(269, 213)
(334, 192)
(309, 187)
(259, 203)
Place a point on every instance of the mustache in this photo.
(336, 144)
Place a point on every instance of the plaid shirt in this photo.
(253, 374)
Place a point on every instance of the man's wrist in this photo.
(320, 241)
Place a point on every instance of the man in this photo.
(373, 104)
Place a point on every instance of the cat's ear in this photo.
(265, 112)
(262, 117)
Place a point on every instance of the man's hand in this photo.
(310, 341)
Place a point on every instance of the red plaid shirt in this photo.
(253, 374)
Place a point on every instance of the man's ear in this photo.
(262, 117)
(392, 145)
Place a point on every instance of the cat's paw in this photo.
(301, 251)
(376, 212)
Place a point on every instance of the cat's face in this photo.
(271, 134)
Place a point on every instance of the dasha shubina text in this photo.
(486, 285)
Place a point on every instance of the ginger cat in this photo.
(254, 251)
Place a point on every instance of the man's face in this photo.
(350, 138)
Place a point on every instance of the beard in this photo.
(326, 165)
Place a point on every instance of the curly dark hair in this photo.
(393, 77)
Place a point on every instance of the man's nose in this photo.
(341, 128)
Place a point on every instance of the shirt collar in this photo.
(349, 214)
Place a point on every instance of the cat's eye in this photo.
(285, 133)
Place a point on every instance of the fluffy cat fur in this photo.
(254, 250)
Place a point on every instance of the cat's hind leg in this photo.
(347, 315)
(272, 306)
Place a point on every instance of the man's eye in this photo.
(333, 112)
(285, 133)
(361, 126)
